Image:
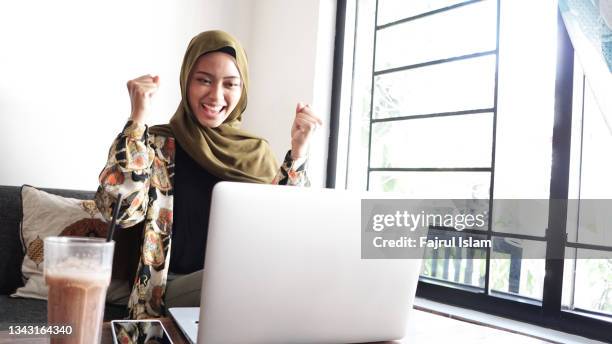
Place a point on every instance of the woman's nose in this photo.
(216, 92)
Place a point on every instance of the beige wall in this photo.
(64, 64)
(291, 60)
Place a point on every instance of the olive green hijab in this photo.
(226, 151)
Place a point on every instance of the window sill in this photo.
(500, 323)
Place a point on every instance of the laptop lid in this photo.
(187, 320)
(283, 265)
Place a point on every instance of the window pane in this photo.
(594, 222)
(392, 10)
(358, 140)
(590, 274)
(595, 181)
(521, 216)
(465, 30)
(453, 141)
(590, 219)
(525, 107)
(511, 270)
(452, 185)
(454, 86)
(569, 266)
(593, 283)
(454, 264)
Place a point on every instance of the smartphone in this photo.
(139, 332)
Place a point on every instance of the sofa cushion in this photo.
(19, 311)
(11, 256)
(45, 215)
(11, 252)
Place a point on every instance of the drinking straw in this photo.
(111, 229)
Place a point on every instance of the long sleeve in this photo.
(127, 172)
(292, 172)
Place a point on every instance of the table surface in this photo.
(422, 328)
(107, 335)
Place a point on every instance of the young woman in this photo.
(166, 173)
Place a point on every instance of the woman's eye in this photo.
(204, 81)
(232, 85)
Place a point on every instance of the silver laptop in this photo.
(283, 265)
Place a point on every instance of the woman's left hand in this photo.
(304, 125)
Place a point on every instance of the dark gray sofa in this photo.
(16, 311)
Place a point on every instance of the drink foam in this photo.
(82, 269)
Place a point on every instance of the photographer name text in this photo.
(433, 243)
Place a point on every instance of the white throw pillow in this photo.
(44, 215)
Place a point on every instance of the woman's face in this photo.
(214, 88)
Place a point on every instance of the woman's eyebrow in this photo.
(213, 76)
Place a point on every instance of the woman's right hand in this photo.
(141, 91)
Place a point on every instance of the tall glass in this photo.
(77, 272)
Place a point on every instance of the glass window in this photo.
(588, 272)
(443, 105)
(454, 185)
(515, 269)
(588, 281)
(454, 86)
(456, 141)
(465, 30)
(392, 10)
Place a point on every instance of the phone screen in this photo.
(140, 332)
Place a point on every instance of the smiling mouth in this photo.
(212, 110)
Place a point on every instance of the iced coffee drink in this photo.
(77, 272)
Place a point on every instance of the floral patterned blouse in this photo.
(140, 166)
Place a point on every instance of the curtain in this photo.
(589, 25)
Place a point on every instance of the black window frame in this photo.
(549, 313)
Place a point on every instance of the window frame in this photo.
(549, 312)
